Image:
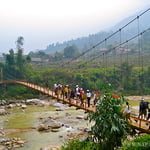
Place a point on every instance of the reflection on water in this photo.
(29, 119)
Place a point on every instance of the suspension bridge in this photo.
(135, 122)
(120, 48)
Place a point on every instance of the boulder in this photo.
(53, 124)
(54, 130)
(80, 117)
(3, 102)
(3, 112)
(2, 134)
(48, 123)
(11, 106)
(24, 106)
(58, 105)
(42, 127)
(33, 101)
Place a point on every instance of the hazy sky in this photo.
(42, 22)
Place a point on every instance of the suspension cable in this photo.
(123, 43)
(88, 50)
(142, 67)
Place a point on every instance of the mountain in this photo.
(132, 26)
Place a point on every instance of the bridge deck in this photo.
(135, 122)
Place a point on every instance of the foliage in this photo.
(19, 42)
(77, 144)
(71, 51)
(110, 126)
(13, 91)
(140, 143)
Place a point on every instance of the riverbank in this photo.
(24, 123)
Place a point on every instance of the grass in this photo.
(139, 143)
(136, 102)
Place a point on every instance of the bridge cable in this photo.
(117, 46)
(91, 48)
(142, 67)
(121, 53)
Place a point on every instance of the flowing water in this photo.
(23, 123)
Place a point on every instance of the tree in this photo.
(9, 65)
(20, 60)
(19, 42)
(28, 59)
(10, 58)
(71, 51)
(110, 125)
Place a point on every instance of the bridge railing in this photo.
(139, 123)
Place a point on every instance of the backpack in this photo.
(146, 105)
(142, 105)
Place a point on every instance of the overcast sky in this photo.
(42, 22)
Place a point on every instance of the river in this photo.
(23, 124)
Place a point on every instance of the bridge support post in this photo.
(140, 124)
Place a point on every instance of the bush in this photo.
(140, 143)
(76, 144)
(110, 126)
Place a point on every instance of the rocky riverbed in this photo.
(40, 124)
(36, 124)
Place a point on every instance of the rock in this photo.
(42, 127)
(2, 140)
(55, 130)
(3, 112)
(35, 102)
(18, 104)
(2, 147)
(54, 125)
(20, 142)
(3, 102)
(12, 143)
(58, 105)
(24, 106)
(48, 123)
(68, 114)
(11, 106)
(2, 133)
(61, 136)
(54, 118)
(80, 117)
(2, 107)
(60, 109)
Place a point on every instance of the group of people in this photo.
(81, 95)
(144, 110)
(75, 93)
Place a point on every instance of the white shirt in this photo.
(88, 94)
(127, 109)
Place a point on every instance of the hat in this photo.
(142, 99)
(87, 90)
(76, 85)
